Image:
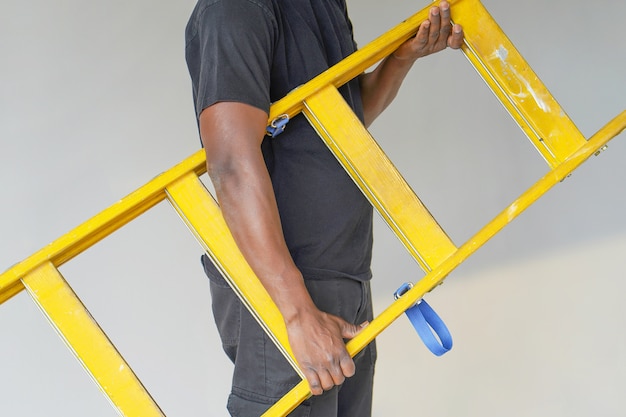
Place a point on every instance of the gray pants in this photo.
(262, 375)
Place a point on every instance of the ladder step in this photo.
(515, 84)
(200, 212)
(88, 342)
(377, 177)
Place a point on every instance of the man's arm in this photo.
(379, 87)
(232, 134)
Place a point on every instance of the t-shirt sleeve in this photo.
(229, 47)
(349, 23)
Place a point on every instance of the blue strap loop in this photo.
(277, 126)
(429, 326)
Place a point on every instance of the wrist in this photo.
(297, 309)
(403, 60)
(290, 296)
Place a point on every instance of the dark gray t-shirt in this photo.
(255, 52)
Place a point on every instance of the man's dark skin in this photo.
(232, 134)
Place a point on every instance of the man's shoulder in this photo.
(235, 6)
(237, 12)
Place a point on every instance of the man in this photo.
(299, 220)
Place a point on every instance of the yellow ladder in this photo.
(488, 49)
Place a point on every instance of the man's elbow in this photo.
(221, 171)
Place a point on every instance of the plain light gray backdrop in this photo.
(95, 101)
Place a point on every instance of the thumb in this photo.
(349, 330)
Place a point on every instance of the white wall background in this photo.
(95, 101)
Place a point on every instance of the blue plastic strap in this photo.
(429, 326)
(277, 126)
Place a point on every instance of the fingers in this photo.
(330, 365)
(320, 380)
(313, 379)
(347, 366)
(337, 373)
(433, 35)
(446, 23)
(455, 41)
(452, 34)
(422, 36)
(440, 26)
(349, 330)
(437, 32)
(435, 24)
(324, 378)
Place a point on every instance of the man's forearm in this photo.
(315, 337)
(232, 135)
(249, 208)
(380, 87)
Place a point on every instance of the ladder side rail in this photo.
(9, 291)
(515, 84)
(88, 342)
(353, 65)
(435, 277)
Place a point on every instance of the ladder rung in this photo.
(512, 80)
(197, 208)
(91, 346)
(377, 177)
